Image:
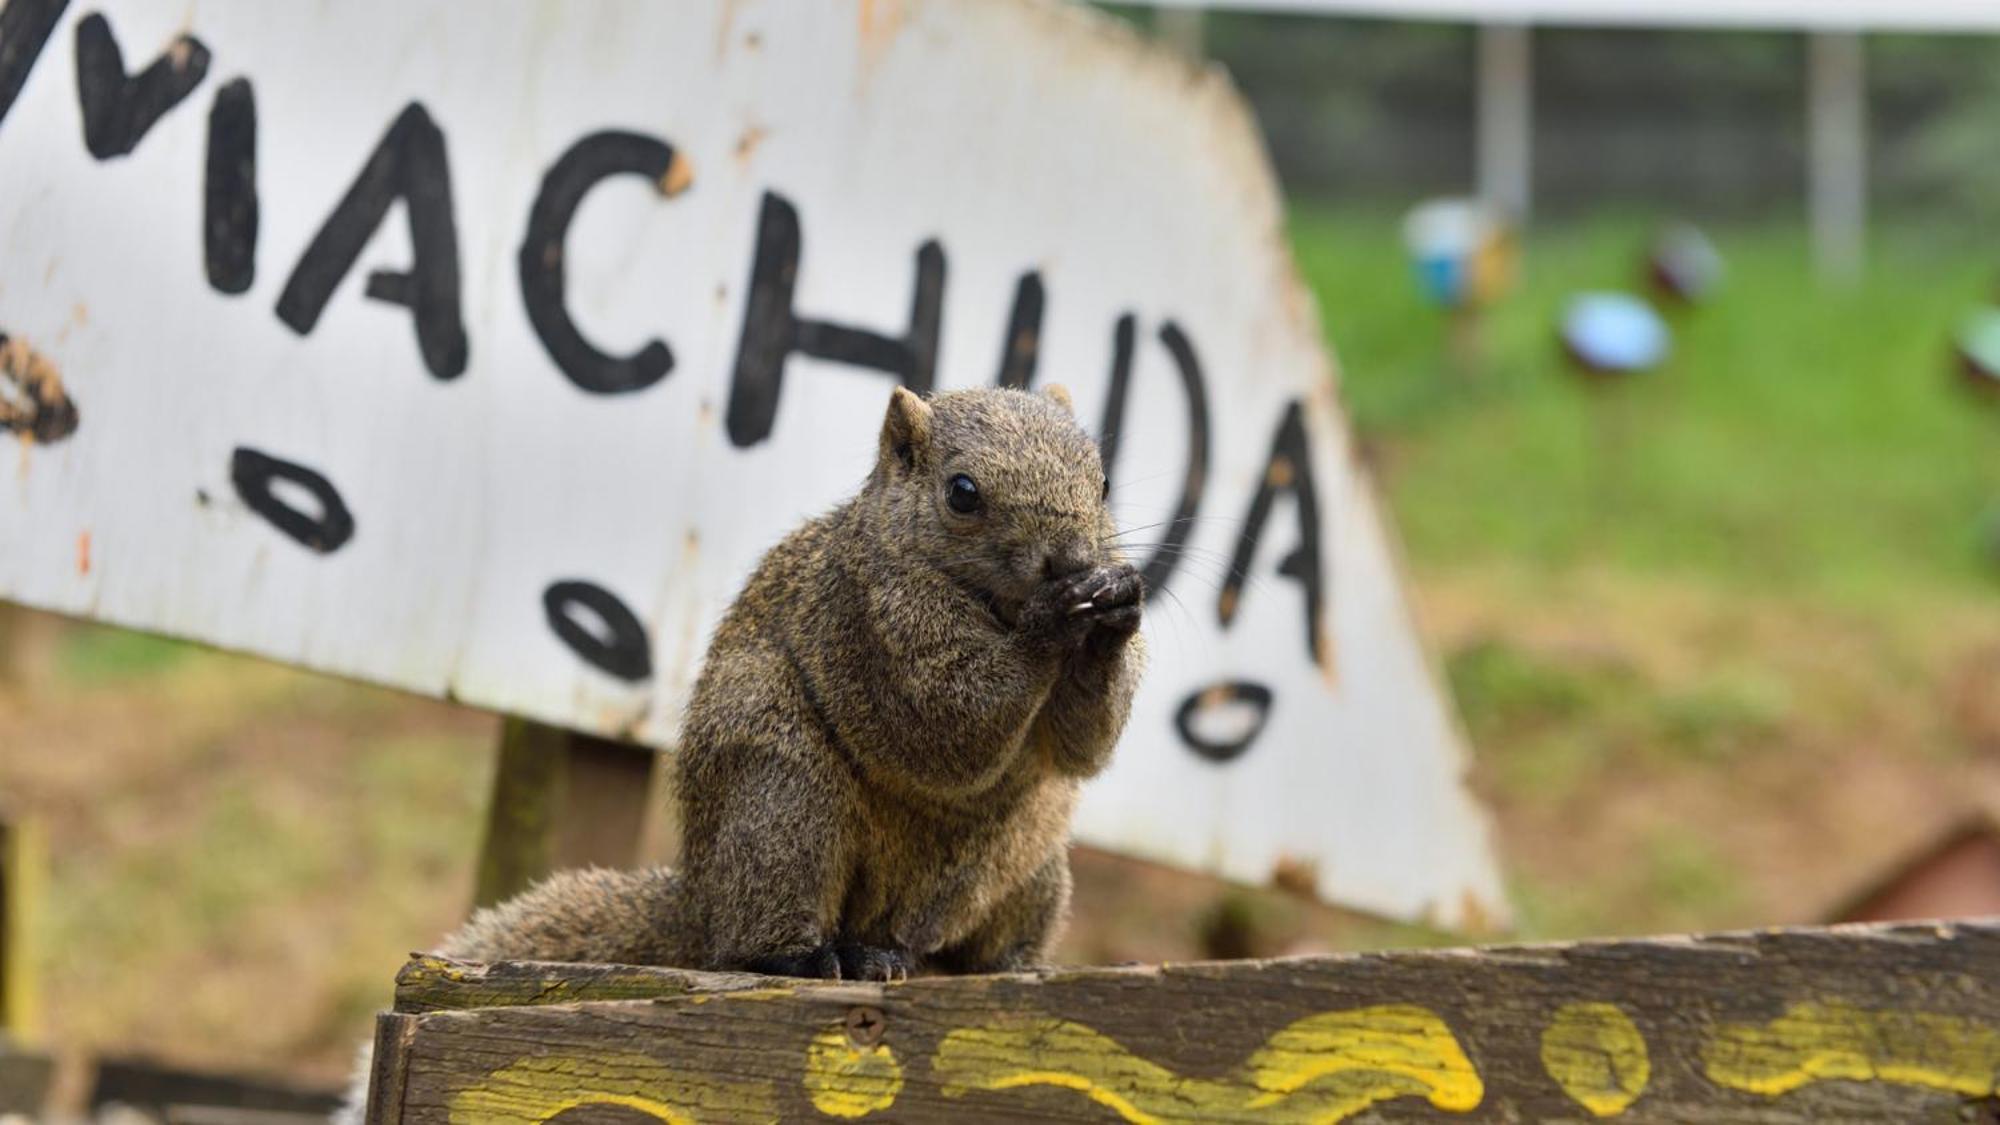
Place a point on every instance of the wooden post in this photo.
(1837, 142)
(560, 799)
(1506, 119)
(13, 621)
(1851, 1023)
(22, 862)
(25, 1078)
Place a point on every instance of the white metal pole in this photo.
(1180, 28)
(1837, 133)
(1506, 117)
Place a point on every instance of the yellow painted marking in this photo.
(1321, 1069)
(1815, 1042)
(844, 1080)
(427, 965)
(537, 1088)
(648, 1106)
(472, 1106)
(1596, 1054)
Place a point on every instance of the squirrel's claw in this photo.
(842, 960)
(1070, 606)
(872, 963)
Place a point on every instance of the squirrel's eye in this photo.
(962, 495)
(1107, 489)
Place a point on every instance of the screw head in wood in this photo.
(865, 1026)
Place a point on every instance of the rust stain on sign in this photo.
(32, 401)
(83, 554)
(746, 144)
(1280, 474)
(724, 24)
(880, 22)
(1329, 670)
(679, 177)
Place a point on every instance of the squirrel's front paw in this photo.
(1114, 599)
(1103, 599)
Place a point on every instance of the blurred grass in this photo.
(224, 831)
(96, 655)
(1803, 438)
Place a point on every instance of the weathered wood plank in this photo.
(560, 799)
(1846, 1024)
(388, 1068)
(429, 984)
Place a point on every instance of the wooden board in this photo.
(1846, 1024)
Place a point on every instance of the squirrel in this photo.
(878, 764)
(877, 767)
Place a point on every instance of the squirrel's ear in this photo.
(1059, 394)
(906, 431)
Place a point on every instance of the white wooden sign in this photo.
(481, 349)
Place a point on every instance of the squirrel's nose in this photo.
(1066, 558)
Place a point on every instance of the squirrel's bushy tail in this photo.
(591, 914)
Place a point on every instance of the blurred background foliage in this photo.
(1707, 121)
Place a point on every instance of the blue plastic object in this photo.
(1978, 346)
(1614, 334)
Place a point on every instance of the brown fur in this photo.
(878, 765)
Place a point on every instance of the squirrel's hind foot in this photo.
(842, 960)
(874, 963)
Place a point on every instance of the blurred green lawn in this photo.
(1804, 438)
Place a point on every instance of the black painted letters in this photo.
(544, 264)
(409, 165)
(229, 212)
(773, 330)
(1229, 747)
(1288, 470)
(617, 647)
(1166, 557)
(325, 531)
(118, 110)
(25, 27)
